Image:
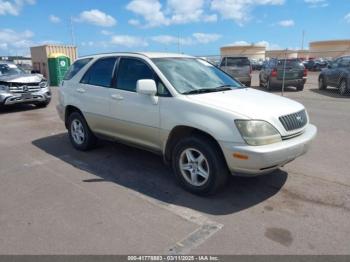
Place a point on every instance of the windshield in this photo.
(10, 69)
(291, 63)
(191, 74)
(237, 61)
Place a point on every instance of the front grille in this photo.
(24, 87)
(294, 121)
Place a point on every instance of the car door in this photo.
(94, 94)
(332, 75)
(136, 117)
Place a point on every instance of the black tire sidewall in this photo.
(89, 137)
(346, 91)
(217, 168)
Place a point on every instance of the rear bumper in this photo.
(7, 98)
(244, 79)
(287, 82)
(265, 159)
(60, 112)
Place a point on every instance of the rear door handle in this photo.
(81, 90)
(117, 97)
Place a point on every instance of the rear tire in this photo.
(322, 85)
(343, 87)
(268, 85)
(300, 87)
(79, 132)
(199, 165)
(248, 84)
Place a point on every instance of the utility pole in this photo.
(302, 40)
(72, 31)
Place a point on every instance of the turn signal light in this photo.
(240, 156)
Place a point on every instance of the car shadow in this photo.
(330, 92)
(16, 108)
(146, 173)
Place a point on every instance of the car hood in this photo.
(249, 103)
(22, 78)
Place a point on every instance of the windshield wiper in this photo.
(208, 90)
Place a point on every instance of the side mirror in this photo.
(146, 87)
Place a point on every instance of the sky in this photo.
(196, 27)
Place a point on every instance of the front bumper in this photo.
(8, 98)
(265, 159)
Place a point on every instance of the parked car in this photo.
(315, 65)
(18, 87)
(202, 121)
(336, 75)
(272, 74)
(257, 64)
(239, 68)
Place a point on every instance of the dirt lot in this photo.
(121, 200)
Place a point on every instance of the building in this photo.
(40, 55)
(329, 49)
(250, 51)
(281, 54)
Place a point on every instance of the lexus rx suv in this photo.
(203, 122)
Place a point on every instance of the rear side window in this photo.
(76, 67)
(290, 63)
(100, 73)
(237, 61)
(130, 71)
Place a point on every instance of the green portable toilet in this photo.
(58, 66)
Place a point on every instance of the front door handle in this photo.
(81, 90)
(117, 97)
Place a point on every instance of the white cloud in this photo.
(54, 19)
(106, 32)
(286, 23)
(16, 42)
(239, 10)
(96, 17)
(317, 3)
(128, 41)
(347, 18)
(13, 7)
(174, 12)
(150, 10)
(268, 45)
(203, 38)
(196, 38)
(89, 43)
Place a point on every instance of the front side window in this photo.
(130, 71)
(76, 67)
(100, 73)
(191, 74)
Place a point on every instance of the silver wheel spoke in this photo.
(203, 173)
(190, 156)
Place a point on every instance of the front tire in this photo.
(300, 87)
(343, 87)
(199, 165)
(322, 83)
(79, 132)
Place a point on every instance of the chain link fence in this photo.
(327, 71)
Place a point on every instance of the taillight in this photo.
(274, 72)
(305, 72)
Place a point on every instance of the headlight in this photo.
(43, 84)
(258, 132)
(4, 88)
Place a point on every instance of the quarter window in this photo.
(130, 71)
(100, 73)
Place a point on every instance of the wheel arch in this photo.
(68, 111)
(179, 132)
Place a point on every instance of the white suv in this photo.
(203, 122)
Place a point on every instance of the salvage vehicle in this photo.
(18, 87)
(238, 67)
(336, 75)
(276, 72)
(202, 121)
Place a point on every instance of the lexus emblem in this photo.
(300, 119)
(25, 88)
